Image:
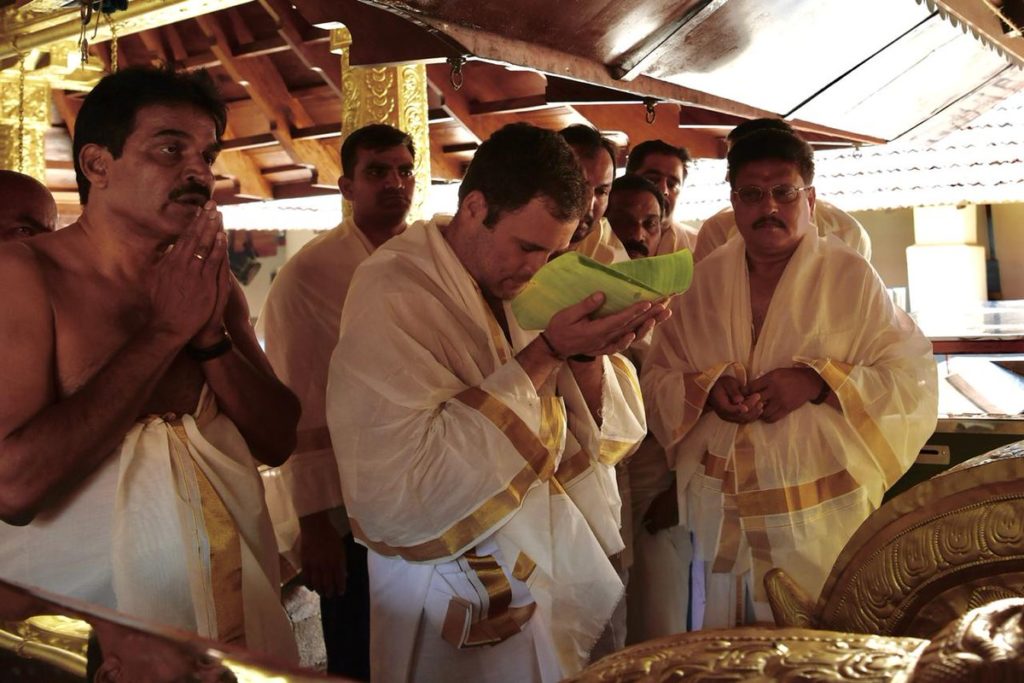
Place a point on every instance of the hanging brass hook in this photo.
(650, 114)
(456, 76)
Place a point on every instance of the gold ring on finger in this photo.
(198, 255)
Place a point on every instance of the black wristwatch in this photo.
(202, 354)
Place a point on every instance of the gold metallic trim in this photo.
(800, 497)
(627, 369)
(462, 533)
(458, 630)
(492, 578)
(572, 467)
(552, 423)
(534, 451)
(697, 387)
(744, 462)
(728, 538)
(714, 466)
(836, 373)
(524, 567)
(59, 641)
(539, 467)
(313, 439)
(612, 452)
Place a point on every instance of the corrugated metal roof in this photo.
(982, 163)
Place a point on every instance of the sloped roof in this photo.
(981, 163)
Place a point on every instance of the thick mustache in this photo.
(190, 188)
(765, 220)
(635, 245)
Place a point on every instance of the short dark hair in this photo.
(748, 127)
(375, 136)
(521, 162)
(772, 144)
(648, 147)
(588, 141)
(107, 116)
(637, 183)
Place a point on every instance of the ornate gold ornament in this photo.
(396, 95)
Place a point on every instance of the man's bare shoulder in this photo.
(22, 272)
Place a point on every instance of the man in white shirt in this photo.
(300, 321)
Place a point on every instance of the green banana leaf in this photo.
(571, 277)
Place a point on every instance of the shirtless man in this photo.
(136, 396)
(27, 208)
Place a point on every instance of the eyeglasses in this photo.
(782, 194)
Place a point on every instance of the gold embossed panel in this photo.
(933, 552)
(760, 654)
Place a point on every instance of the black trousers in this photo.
(346, 619)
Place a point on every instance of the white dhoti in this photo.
(177, 533)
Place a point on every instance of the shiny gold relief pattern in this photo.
(952, 559)
(393, 95)
(37, 120)
(760, 654)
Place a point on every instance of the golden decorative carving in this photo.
(759, 654)
(55, 639)
(927, 556)
(396, 95)
(24, 28)
(985, 645)
(790, 605)
(36, 116)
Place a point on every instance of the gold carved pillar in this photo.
(395, 95)
(29, 115)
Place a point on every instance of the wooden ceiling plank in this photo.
(454, 102)
(243, 35)
(459, 147)
(632, 121)
(153, 42)
(250, 180)
(501, 50)
(326, 66)
(567, 91)
(178, 50)
(515, 104)
(265, 86)
(444, 166)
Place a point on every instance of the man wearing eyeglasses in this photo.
(789, 392)
(829, 219)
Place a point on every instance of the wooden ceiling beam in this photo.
(567, 91)
(454, 102)
(154, 44)
(299, 190)
(257, 48)
(444, 166)
(459, 147)
(509, 106)
(250, 179)
(175, 42)
(317, 132)
(379, 37)
(269, 92)
(632, 121)
(243, 35)
(327, 66)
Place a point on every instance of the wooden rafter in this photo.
(284, 16)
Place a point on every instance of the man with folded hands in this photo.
(136, 398)
(787, 389)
